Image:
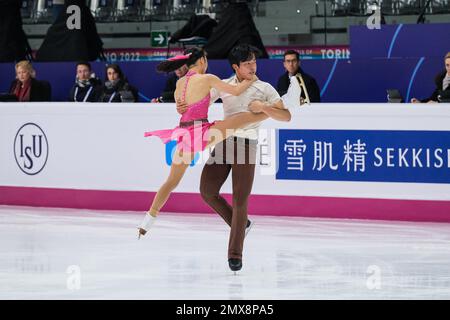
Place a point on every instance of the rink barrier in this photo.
(318, 207)
(93, 156)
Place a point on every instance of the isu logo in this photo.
(31, 149)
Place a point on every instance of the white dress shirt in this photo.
(259, 90)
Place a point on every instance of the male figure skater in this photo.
(261, 98)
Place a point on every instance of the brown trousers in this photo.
(239, 156)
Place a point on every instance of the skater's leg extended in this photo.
(180, 163)
(225, 128)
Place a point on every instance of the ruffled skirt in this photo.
(191, 139)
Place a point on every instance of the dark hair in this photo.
(84, 63)
(292, 52)
(242, 53)
(171, 65)
(116, 68)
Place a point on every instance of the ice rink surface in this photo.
(50, 253)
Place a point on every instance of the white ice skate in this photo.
(148, 221)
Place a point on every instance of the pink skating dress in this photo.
(192, 133)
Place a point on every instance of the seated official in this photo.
(86, 88)
(292, 65)
(26, 87)
(442, 81)
(168, 94)
(116, 87)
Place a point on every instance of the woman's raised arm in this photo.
(235, 90)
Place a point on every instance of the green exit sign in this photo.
(159, 38)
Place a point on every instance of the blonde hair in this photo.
(447, 56)
(24, 64)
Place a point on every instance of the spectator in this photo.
(116, 87)
(167, 94)
(87, 88)
(26, 87)
(292, 65)
(442, 81)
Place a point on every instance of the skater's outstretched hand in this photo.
(223, 86)
(250, 81)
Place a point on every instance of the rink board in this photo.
(374, 161)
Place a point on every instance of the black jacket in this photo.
(40, 90)
(310, 83)
(438, 81)
(94, 93)
(168, 94)
(120, 92)
(61, 44)
(14, 45)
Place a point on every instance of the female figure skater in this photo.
(194, 133)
